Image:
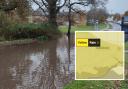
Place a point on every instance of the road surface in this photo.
(115, 27)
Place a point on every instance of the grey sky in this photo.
(114, 6)
(117, 6)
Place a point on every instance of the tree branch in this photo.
(45, 4)
(80, 3)
(40, 7)
(75, 11)
(63, 4)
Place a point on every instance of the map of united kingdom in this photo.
(99, 55)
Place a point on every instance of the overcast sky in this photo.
(117, 6)
(113, 6)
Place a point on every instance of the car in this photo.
(119, 22)
(124, 24)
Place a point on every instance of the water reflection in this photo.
(48, 65)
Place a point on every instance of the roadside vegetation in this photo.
(96, 85)
(126, 59)
(126, 45)
(110, 26)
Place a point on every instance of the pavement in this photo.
(115, 27)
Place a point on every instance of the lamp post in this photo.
(96, 25)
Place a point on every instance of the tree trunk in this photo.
(52, 14)
(69, 20)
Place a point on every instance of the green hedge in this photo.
(31, 30)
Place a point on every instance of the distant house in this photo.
(78, 18)
(37, 17)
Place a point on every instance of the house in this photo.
(78, 18)
(37, 17)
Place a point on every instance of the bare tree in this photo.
(70, 6)
(50, 9)
(97, 14)
(126, 13)
(117, 17)
(94, 3)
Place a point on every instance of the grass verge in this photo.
(96, 85)
(110, 26)
(126, 45)
(64, 29)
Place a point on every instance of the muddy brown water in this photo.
(42, 65)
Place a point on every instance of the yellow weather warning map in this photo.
(99, 55)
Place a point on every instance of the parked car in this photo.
(124, 24)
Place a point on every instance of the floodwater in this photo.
(42, 65)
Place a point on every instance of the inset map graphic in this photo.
(99, 55)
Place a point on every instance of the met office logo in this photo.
(88, 42)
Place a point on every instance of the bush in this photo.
(10, 30)
(31, 30)
(4, 22)
(42, 38)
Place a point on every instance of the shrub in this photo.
(42, 38)
(4, 22)
(31, 30)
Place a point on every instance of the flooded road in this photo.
(42, 65)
